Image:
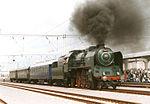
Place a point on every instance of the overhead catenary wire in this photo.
(52, 29)
(48, 37)
(45, 35)
(41, 35)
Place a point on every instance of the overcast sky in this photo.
(38, 17)
(34, 17)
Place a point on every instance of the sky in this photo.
(34, 16)
(39, 17)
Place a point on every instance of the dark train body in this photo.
(40, 73)
(13, 75)
(95, 67)
(20, 75)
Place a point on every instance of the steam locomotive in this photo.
(96, 67)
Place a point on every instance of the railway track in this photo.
(140, 83)
(129, 91)
(135, 84)
(2, 102)
(71, 96)
(137, 92)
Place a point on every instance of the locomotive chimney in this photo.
(100, 45)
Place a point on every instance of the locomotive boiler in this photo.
(95, 67)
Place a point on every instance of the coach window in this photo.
(55, 64)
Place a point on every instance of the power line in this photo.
(58, 25)
(40, 35)
(36, 54)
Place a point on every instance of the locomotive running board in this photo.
(80, 67)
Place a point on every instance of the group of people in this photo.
(137, 75)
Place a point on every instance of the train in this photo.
(95, 67)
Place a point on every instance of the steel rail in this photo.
(135, 84)
(129, 91)
(138, 83)
(2, 101)
(45, 93)
(72, 94)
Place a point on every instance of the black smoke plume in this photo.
(109, 21)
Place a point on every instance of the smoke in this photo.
(110, 21)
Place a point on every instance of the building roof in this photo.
(137, 55)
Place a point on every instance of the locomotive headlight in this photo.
(118, 73)
(104, 78)
(106, 56)
(103, 74)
